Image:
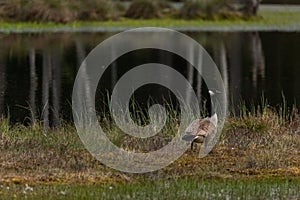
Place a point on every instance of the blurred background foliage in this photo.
(99, 10)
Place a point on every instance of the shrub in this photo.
(59, 11)
(97, 10)
(146, 9)
(203, 8)
(11, 9)
(192, 9)
(51, 10)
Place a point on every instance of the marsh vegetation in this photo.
(257, 154)
(93, 10)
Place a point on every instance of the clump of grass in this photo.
(146, 9)
(59, 11)
(11, 9)
(141, 117)
(53, 10)
(266, 137)
(27, 146)
(192, 9)
(209, 9)
(92, 10)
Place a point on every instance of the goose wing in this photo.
(204, 127)
(199, 127)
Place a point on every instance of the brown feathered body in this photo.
(200, 130)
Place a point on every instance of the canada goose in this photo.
(201, 130)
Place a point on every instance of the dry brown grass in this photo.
(11, 9)
(211, 10)
(59, 11)
(99, 10)
(146, 9)
(261, 144)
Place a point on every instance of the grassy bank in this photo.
(260, 143)
(268, 20)
(256, 157)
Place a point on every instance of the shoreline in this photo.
(270, 18)
(93, 29)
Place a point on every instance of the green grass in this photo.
(174, 188)
(267, 20)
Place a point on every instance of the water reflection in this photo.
(2, 82)
(246, 64)
(37, 71)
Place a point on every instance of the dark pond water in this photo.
(37, 71)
